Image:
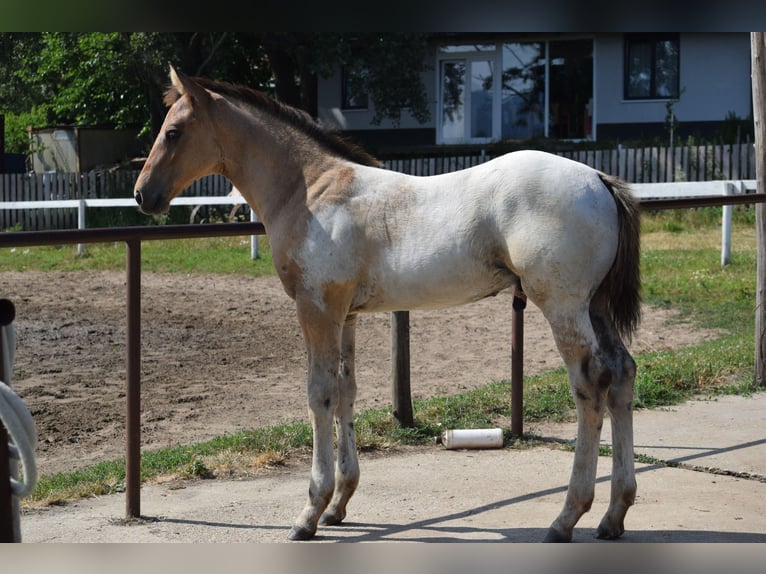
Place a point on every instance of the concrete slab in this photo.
(436, 495)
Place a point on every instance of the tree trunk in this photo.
(283, 68)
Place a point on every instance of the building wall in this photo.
(73, 149)
(58, 150)
(714, 79)
(329, 102)
(106, 147)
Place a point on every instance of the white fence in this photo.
(93, 186)
(642, 191)
(80, 206)
(685, 189)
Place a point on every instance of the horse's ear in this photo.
(186, 86)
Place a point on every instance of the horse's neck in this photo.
(273, 167)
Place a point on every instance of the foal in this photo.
(348, 237)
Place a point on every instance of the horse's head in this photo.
(185, 149)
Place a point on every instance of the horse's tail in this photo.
(621, 288)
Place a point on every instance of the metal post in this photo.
(133, 375)
(517, 363)
(400, 368)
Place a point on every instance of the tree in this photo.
(118, 78)
(388, 68)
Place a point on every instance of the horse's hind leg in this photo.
(620, 405)
(589, 381)
(347, 463)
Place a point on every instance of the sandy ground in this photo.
(224, 353)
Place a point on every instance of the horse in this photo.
(350, 237)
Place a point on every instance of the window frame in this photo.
(653, 39)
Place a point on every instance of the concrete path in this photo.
(712, 489)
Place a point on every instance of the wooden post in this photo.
(758, 75)
(400, 368)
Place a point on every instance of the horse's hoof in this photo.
(330, 520)
(607, 533)
(556, 536)
(299, 533)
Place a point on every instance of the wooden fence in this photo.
(90, 185)
(635, 165)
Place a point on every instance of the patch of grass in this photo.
(695, 219)
(249, 449)
(694, 282)
(199, 255)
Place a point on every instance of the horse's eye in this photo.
(172, 135)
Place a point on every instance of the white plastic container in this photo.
(471, 438)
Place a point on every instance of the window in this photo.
(651, 66)
(353, 96)
(517, 90)
(523, 90)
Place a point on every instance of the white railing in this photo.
(688, 189)
(82, 204)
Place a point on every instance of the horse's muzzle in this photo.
(150, 203)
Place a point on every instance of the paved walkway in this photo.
(713, 490)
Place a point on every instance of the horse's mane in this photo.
(330, 140)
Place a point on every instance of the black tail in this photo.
(621, 288)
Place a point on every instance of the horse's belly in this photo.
(409, 293)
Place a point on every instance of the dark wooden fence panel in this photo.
(635, 165)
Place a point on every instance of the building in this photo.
(485, 88)
(79, 149)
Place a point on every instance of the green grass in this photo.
(680, 268)
(203, 255)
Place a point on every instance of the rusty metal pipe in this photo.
(517, 364)
(141, 232)
(133, 376)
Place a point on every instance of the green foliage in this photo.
(380, 58)
(118, 78)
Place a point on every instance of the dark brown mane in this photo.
(330, 140)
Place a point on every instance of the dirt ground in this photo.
(225, 353)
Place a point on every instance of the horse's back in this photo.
(453, 238)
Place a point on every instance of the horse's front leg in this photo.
(347, 463)
(322, 335)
